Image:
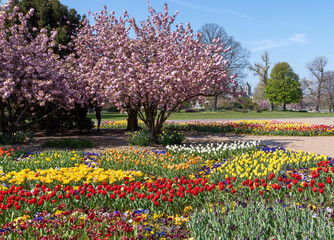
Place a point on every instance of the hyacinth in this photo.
(213, 151)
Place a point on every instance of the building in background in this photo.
(247, 89)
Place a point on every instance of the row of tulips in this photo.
(256, 127)
(176, 193)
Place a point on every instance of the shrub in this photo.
(230, 105)
(18, 137)
(69, 143)
(112, 109)
(140, 138)
(171, 138)
(263, 104)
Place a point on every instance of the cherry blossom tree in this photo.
(154, 73)
(99, 50)
(31, 74)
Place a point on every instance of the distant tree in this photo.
(328, 90)
(262, 71)
(284, 85)
(317, 70)
(237, 57)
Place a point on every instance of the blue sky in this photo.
(294, 31)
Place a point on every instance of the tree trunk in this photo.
(271, 108)
(60, 117)
(2, 118)
(317, 107)
(132, 120)
(215, 102)
(98, 116)
(10, 118)
(284, 106)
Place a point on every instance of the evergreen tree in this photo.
(51, 15)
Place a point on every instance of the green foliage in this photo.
(237, 220)
(69, 143)
(18, 137)
(112, 109)
(171, 138)
(284, 85)
(140, 138)
(248, 104)
(143, 138)
(230, 105)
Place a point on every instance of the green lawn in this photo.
(223, 115)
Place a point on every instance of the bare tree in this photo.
(309, 91)
(328, 90)
(262, 71)
(317, 70)
(237, 57)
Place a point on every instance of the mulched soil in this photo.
(114, 138)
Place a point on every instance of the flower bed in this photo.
(255, 127)
(131, 194)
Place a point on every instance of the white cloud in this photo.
(299, 39)
(207, 9)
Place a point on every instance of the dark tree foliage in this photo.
(51, 14)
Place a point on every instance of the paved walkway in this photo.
(321, 144)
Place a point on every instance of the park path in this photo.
(318, 144)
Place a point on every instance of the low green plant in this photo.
(18, 137)
(69, 143)
(257, 220)
(140, 138)
(171, 138)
